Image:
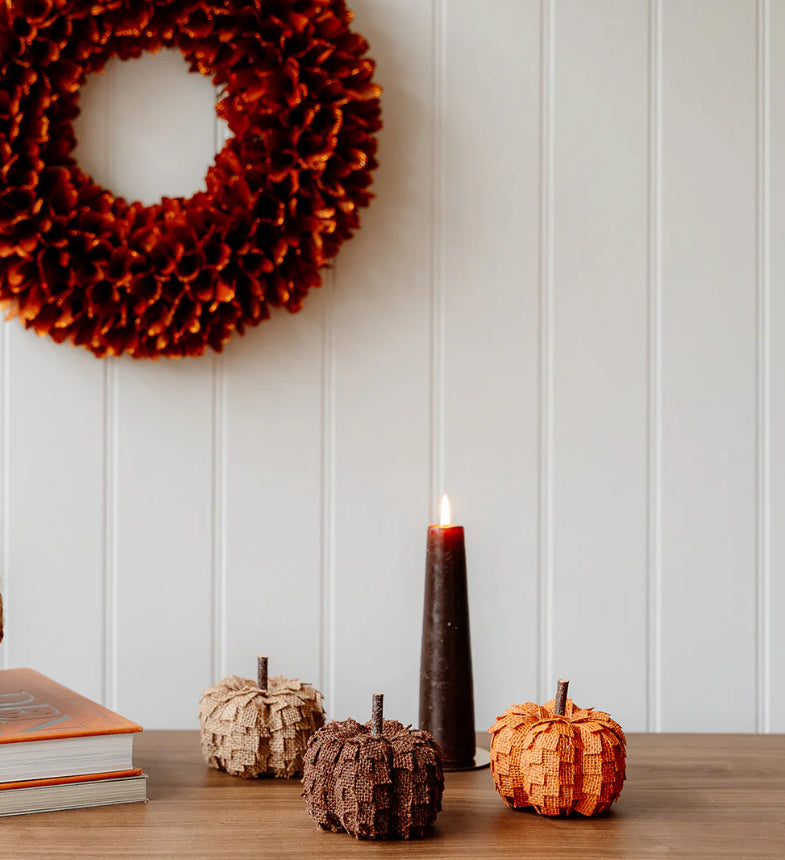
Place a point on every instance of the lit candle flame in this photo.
(446, 515)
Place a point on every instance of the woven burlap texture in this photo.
(387, 787)
(249, 734)
(558, 764)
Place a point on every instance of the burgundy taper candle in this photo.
(446, 686)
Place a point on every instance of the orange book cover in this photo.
(35, 708)
(85, 777)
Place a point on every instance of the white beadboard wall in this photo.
(559, 310)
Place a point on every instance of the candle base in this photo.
(482, 758)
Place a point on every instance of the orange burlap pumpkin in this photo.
(557, 764)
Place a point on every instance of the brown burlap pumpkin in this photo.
(381, 780)
(253, 730)
(558, 758)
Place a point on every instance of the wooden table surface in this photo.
(718, 796)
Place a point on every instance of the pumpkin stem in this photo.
(377, 715)
(261, 673)
(560, 703)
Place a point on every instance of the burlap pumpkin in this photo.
(250, 733)
(383, 785)
(558, 764)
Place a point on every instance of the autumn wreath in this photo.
(171, 279)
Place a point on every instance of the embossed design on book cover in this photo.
(33, 707)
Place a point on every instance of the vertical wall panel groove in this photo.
(110, 440)
(382, 386)
(53, 546)
(598, 405)
(489, 271)
(219, 666)
(654, 478)
(763, 418)
(710, 365)
(110, 514)
(772, 596)
(545, 551)
(327, 496)
(165, 452)
(438, 84)
(489, 227)
(218, 585)
(5, 453)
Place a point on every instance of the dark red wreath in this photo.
(79, 264)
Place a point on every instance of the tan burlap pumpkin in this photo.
(249, 733)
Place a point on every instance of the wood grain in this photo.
(718, 796)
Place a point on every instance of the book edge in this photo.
(142, 777)
(67, 780)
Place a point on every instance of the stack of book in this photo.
(59, 750)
